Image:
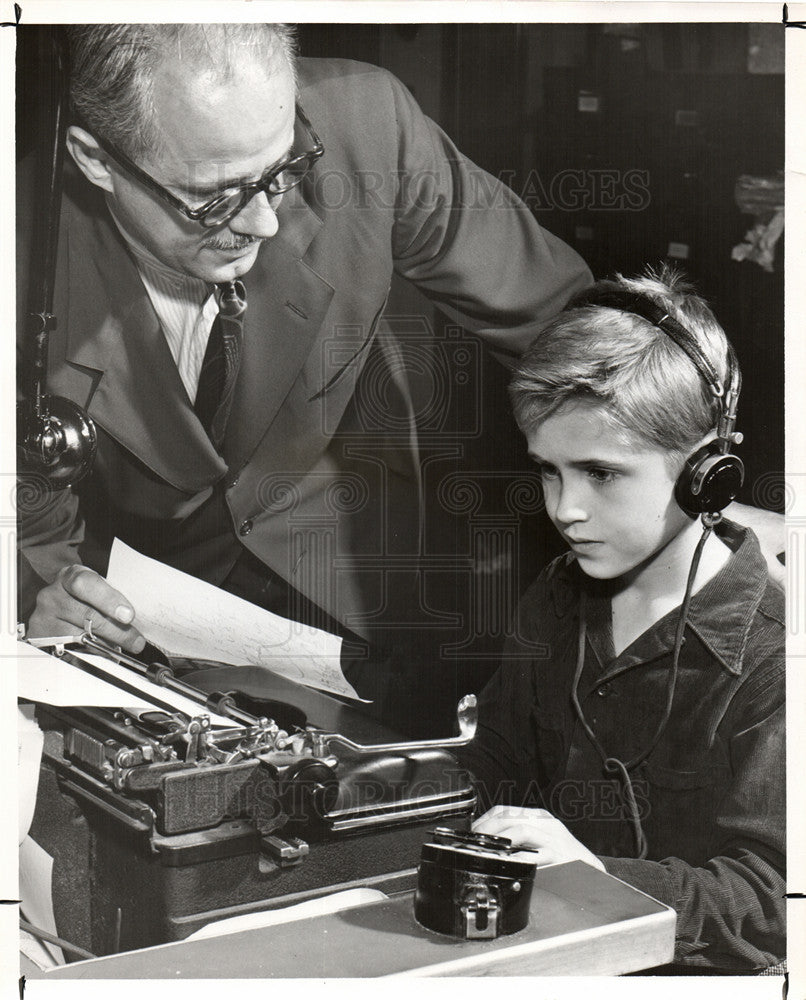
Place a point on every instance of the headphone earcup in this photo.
(709, 481)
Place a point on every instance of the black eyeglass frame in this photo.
(267, 183)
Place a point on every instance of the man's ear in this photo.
(90, 159)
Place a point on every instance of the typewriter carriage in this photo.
(174, 823)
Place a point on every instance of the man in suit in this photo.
(312, 465)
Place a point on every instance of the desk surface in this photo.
(583, 922)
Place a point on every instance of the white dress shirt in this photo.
(186, 308)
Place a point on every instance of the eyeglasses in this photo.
(225, 206)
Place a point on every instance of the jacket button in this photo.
(246, 527)
(603, 691)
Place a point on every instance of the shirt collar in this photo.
(720, 614)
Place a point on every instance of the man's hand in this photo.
(536, 830)
(78, 598)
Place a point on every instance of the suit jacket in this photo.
(318, 471)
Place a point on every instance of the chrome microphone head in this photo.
(55, 439)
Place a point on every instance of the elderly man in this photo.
(217, 172)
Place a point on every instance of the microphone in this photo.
(56, 439)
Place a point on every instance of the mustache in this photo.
(238, 242)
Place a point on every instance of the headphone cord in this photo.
(612, 765)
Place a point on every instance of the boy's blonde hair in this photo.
(649, 386)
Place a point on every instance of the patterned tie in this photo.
(221, 361)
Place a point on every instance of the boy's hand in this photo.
(536, 830)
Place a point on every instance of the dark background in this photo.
(690, 107)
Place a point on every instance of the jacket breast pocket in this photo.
(342, 355)
(681, 806)
(703, 774)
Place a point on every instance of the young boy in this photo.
(620, 730)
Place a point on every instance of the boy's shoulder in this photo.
(773, 603)
(743, 594)
(766, 638)
(739, 614)
(547, 609)
(747, 572)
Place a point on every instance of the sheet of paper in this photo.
(153, 693)
(184, 616)
(30, 740)
(36, 903)
(50, 680)
(53, 680)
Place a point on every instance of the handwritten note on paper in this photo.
(184, 616)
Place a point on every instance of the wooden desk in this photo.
(583, 922)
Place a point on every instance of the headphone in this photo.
(712, 476)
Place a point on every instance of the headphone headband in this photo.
(613, 296)
(712, 476)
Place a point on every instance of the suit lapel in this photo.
(140, 399)
(287, 305)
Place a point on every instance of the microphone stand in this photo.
(56, 439)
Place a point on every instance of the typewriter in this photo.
(160, 821)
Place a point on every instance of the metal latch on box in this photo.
(480, 910)
(285, 851)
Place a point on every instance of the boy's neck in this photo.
(650, 591)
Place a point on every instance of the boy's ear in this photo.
(90, 159)
(709, 479)
(709, 437)
(679, 459)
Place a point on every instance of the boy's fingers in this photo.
(497, 826)
(521, 833)
(498, 813)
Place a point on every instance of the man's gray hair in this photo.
(113, 68)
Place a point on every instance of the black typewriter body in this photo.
(157, 829)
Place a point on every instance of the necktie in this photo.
(221, 361)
